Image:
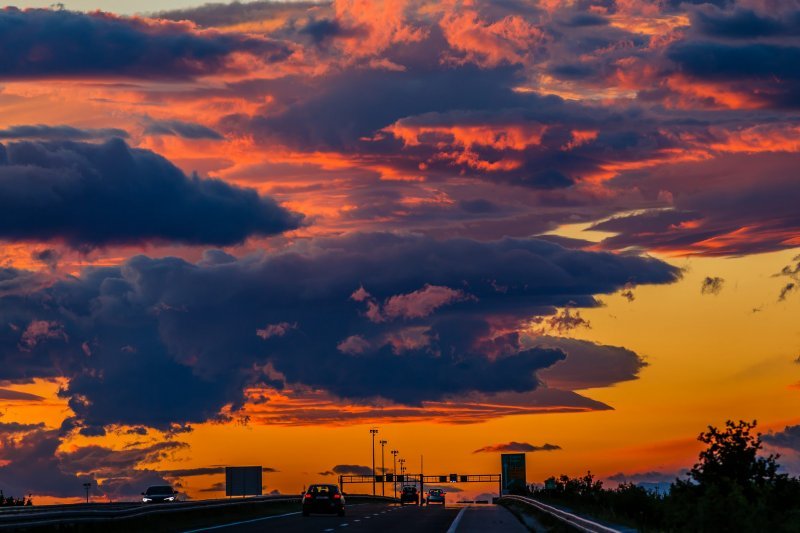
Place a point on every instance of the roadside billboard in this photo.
(513, 471)
(243, 481)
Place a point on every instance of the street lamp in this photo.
(383, 469)
(87, 486)
(394, 470)
(373, 432)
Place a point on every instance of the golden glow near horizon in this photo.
(739, 344)
(540, 121)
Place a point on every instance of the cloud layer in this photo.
(515, 446)
(90, 195)
(45, 43)
(193, 329)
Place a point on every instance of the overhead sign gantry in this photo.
(421, 479)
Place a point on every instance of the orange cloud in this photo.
(303, 408)
(511, 39)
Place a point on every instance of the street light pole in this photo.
(87, 486)
(373, 432)
(383, 470)
(394, 470)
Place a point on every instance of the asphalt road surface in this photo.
(360, 519)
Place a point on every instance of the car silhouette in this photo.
(323, 499)
(436, 496)
(159, 494)
(409, 495)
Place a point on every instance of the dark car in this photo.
(323, 499)
(436, 496)
(159, 494)
(409, 495)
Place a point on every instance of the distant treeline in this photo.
(10, 501)
(732, 488)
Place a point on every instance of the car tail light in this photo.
(308, 496)
(337, 496)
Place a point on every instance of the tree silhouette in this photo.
(733, 488)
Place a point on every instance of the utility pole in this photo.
(373, 432)
(394, 470)
(421, 480)
(383, 470)
(87, 486)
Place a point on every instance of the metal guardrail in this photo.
(579, 523)
(75, 515)
(83, 516)
(122, 505)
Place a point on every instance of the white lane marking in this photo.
(327, 530)
(454, 525)
(231, 524)
(344, 525)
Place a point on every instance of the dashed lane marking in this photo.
(231, 524)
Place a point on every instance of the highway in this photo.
(270, 514)
(365, 518)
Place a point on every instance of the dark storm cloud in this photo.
(13, 395)
(48, 256)
(743, 23)
(717, 207)
(645, 221)
(320, 30)
(410, 119)
(751, 68)
(179, 128)
(355, 470)
(712, 285)
(216, 487)
(589, 365)
(350, 316)
(203, 471)
(15, 281)
(92, 195)
(231, 13)
(514, 446)
(586, 19)
(105, 462)
(44, 43)
(789, 438)
(344, 108)
(721, 61)
(36, 465)
(17, 427)
(787, 290)
(44, 132)
(791, 271)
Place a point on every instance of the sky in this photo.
(246, 233)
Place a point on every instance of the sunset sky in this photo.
(246, 233)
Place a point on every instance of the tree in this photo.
(732, 457)
(732, 487)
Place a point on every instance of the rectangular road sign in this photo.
(243, 481)
(513, 471)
